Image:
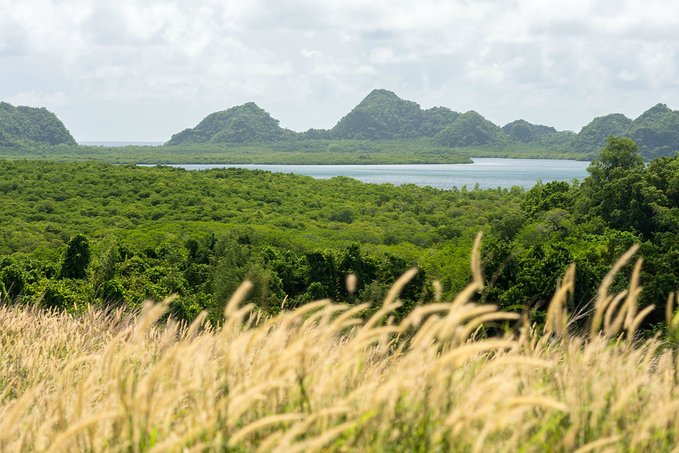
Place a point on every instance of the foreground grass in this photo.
(325, 377)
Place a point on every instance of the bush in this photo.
(58, 295)
(113, 291)
(77, 258)
(13, 279)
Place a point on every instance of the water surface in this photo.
(486, 172)
(118, 144)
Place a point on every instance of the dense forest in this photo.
(75, 234)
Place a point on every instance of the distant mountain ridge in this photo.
(383, 115)
(28, 125)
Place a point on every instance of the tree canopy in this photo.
(80, 233)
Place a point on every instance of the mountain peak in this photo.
(382, 115)
(251, 106)
(658, 109)
(239, 124)
(382, 93)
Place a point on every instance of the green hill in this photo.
(242, 124)
(27, 125)
(382, 115)
(471, 129)
(435, 119)
(593, 136)
(526, 132)
(656, 131)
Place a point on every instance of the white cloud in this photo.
(309, 61)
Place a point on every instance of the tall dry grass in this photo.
(321, 377)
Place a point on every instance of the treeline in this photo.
(76, 234)
(304, 152)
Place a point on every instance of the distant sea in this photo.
(488, 173)
(118, 144)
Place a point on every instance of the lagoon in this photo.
(488, 173)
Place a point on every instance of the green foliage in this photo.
(622, 202)
(435, 119)
(13, 279)
(59, 295)
(280, 152)
(113, 291)
(615, 190)
(620, 155)
(524, 131)
(471, 129)
(381, 129)
(241, 124)
(30, 126)
(77, 258)
(382, 115)
(157, 231)
(656, 131)
(593, 136)
(543, 197)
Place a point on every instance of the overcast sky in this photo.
(142, 70)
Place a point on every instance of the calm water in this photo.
(119, 144)
(487, 172)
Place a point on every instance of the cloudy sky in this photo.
(141, 70)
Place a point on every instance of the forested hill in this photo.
(383, 115)
(244, 123)
(27, 125)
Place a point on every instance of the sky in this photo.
(141, 70)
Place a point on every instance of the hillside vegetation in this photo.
(26, 126)
(382, 115)
(471, 129)
(304, 152)
(245, 123)
(381, 129)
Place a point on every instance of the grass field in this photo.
(452, 375)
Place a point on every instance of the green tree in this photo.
(13, 278)
(58, 295)
(620, 154)
(543, 197)
(77, 258)
(615, 189)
